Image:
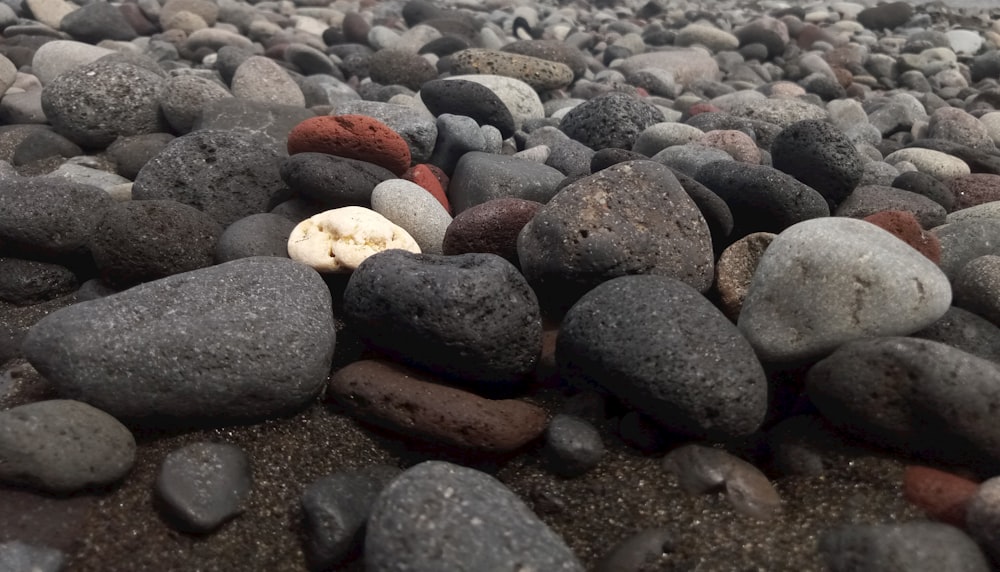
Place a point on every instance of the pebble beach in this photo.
(616, 286)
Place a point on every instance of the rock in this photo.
(49, 217)
(552, 50)
(461, 97)
(900, 393)
(184, 99)
(96, 103)
(885, 16)
(399, 67)
(982, 516)
(659, 136)
(871, 284)
(522, 101)
(262, 79)
(943, 496)
(737, 143)
(268, 123)
(339, 240)
(26, 282)
(424, 176)
(477, 524)
(16, 556)
(491, 227)
(686, 64)
(167, 349)
(635, 552)
(593, 231)
(202, 485)
(735, 269)
(333, 182)
(770, 32)
(97, 21)
(926, 185)
(955, 125)
(413, 405)
(482, 177)
(974, 189)
(977, 287)
(934, 163)
(905, 226)
(336, 508)
(415, 210)
(226, 174)
(611, 120)
(573, 446)
(418, 129)
(809, 445)
(964, 241)
(702, 470)
(141, 241)
(458, 136)
(50, 12)
(966, 331)
(263, 234)
(63, 446)
(867, 200)
(709, 36)
(311, 61)
(819, 155)
(53, 58)
(471, 318)
(352, 136)
(916, 546)
(130, 154)
(540, 74)
(614, 336)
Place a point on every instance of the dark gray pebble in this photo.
(202, 485)
(611, 120)
(821, 156)
(966, 331)
(918, 546)
(463, 97)
(26, 282)
(264, 234)
(573, 446)
(638, 551)
(333, 182)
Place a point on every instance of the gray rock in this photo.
(439, 516)
(26, 107)
(961, 329)
(631, 218)
(80, 174)
(481, 177)
(966, 240)
(97, 21)
(226, 174)
(869, 284)
(819, 155)
(573, 445)
(921, 397)
(336, 509)
(867, 200)
(63, 446)
(322, 89)
(666, 351)
(977, 287)
(982, 516)
(919, 546)
(614, 119)
(270, 123)
(702, 470)
(184, 99)
(131, 153)
(202, 485)
(457, 135)
(634, 553)
(690, 158)
(247, 339)
(418, 129)
(331, 181)
(263, 234)
(410, 206)
(49, 217)
(17, 556)
(26, 282)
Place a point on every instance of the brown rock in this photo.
(702, 470)
(974, 189)
(490, 227)
(904, 225)
(355, 28)
(412, 404)
(735, 268)
(352, 136)
(943, 496)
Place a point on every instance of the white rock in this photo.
(339, 240)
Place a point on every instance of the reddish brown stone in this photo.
(412, 404)
(735, 269)
(844, 77)
(974, 189)
(355, 28)
(943, 496)
(491, 227)
(701, 108)
(905, 226)
(352, 136)
(425, 177)
(440, 175)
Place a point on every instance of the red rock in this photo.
(490, 227)
(425, 177)
(905, 226)
(440, 175)
(352, 136)
(412, 404)
(943, 496)
(701, 108)
(974, 189)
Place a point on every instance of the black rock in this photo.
(463, 97)
(26, 282)
(821, 156)
(202, 485)
(611, 120)
(885, 16)
(131, 153)
(333, 182)
(42, 144)
(445, 46)
(264, 234)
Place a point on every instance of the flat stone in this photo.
(202, 485)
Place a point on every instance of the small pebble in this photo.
(202, 485)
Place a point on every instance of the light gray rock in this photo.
(261, 79)
(414, 209)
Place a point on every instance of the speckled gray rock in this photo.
(17, 556)
(263, 234)
(914, 395)
(53, 58)
(184, 98)
(702, 470)
(95, 103)
(918, 546)
(665, 350)
(415, 127)
(961, 329)
(167, 349)
(63, 446)
(977, 287)
(269, 123)
(819, 155)
(32, 209)
(573, 445)
(481, 177)
(399, 67)
(202, 485)
(415, 210)
(130, 154)
(226, 174)
(437, 516)
(461, 97)
(97, 21)
(470, 317)
(958, 126)
(458, 135)
(965, 240)
(331, 181)
(635, 552)
(262, 79)
(336, 508)
(538, 73)
(870, 284)
(614, 119)
(867, 200)
(690, 158)
(631, 218)
(26, 282)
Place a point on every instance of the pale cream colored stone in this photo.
(339, 240)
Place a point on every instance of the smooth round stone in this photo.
(885, 16)
(492, 227)
(205, 9)
(311, 60)
(905, 226)
(519, 97)
(613, 337)
(901, 393)
(770, 32)
(917, 546)
(819, 155)
(418, 129)
(935, 163)
(735, 269)
(97, 21)
(202, 485)
(690, 158)
(867, 200)
(398, 67)
(952, 124)
(471, 318)
(167, 349)
(437, 515)
(63, 446)
(130, 154)
(634, 553)
(460, 97)
(552, 50)
(780, 111)
(481, 177)
(20, 108)
(415, 210)
(263, 234)
(424, 175)
(353, 136)
(991, 121)
(332, 182)
(339, 240)
(966, 331)
(16, 556)
(573, 446)
(226, 174)
(88, 176)
(415, 405)
(738, 144)
(262, 79)
(27, 282)
(895, 113)
(49, 217)
(459, 136)
(700, 470)
(214, 39)
(140, 241)
(659, 136)
(870, 284)
(709, 36)
(926, 185)
(977, 287)
(269, 123)
(990, 210)
(686, 64)
(611, 120)
(943, 496)
(53, 58)
(122, 99)
(336, 508)
(540, 74)
(184, 98)
(965, 240)
(974, 189)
